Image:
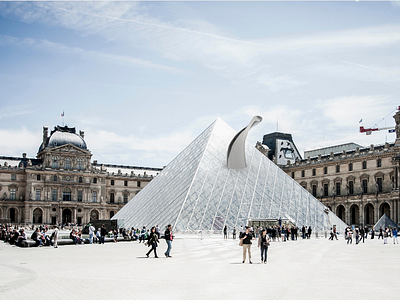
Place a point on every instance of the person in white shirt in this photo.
(91, 233)
(55, 236)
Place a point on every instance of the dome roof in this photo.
(63, 136)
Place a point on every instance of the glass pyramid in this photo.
(198, 192)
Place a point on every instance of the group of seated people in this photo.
(76, 236)
(15, 236)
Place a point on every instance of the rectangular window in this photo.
(138, 184)
(365, 186)
(94, 196)
(379, 185)
(364, 164)
(38, 177)
(292, 174)
(125, 198)
(112, 198)
(325, 170)
(12, 194)
(337, 168)
(80, 164)
(303, 173)
(38, 194)
(326, 189)
(337, 188)
(351, 187)
(314, 172)
(112, 181)
(55, 163)
(350, 166)
(80, 197)
(67, 163)
(126, 183)
(13, 177)
(94, 180)
(314, 190)
(378, 163)
(80, 179)
(54, 195)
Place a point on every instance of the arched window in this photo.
(55, 178)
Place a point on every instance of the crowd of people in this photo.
(361, 234)
(278, 232)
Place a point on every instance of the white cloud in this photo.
(18, 141)
(57, 48)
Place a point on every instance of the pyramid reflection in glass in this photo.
(198, 192)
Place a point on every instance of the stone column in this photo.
(74, 216)
(60, 217)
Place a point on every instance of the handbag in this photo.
(241, 242)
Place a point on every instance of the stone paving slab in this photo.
(208, 268)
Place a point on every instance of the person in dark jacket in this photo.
(152, 242)
(103, 233)
(168, 238)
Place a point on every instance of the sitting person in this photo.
(22, 237)
(37, 238)
(14, 236)
(73, 236)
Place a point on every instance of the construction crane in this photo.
(368, 131)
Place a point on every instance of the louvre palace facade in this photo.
(62, 185)
(359, 185)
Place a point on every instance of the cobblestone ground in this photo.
(208, 268)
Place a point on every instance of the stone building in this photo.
(359, 185)
(62, 185)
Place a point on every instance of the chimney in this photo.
(45, 133)
(23, 155)
(82, 134)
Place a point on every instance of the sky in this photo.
(143, 79)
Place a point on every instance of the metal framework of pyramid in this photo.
(198, 192)
(384, 222)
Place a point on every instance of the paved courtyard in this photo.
(207, 268)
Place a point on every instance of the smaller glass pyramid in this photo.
(198, 192)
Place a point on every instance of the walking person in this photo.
(385, 235)
(303, 232)
(309, 232)
(168, 238)
(349, 237)
(395, 236)
(362, 234)
(246, 237)
(152, 242)
(380, 233)
(55, 236)
(225, 233)
(91, 233)
(234, 233)
(263, 243)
